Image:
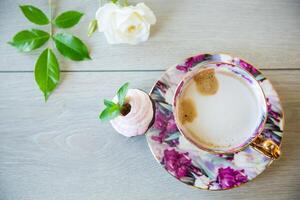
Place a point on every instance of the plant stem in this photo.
(50, 8)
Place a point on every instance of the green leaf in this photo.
(67, 19)
(29, 40)
(71, 46)
(47, 72)
(122, 92)
(110, 113)
(34, 14)
(114, 1)
(92, 27)
(109, 103)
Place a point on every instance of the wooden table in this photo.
(59, 150)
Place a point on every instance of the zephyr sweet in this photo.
(137, 121)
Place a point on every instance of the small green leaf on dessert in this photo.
(109, 103)
(47, 72)
(110, 113)
(92, 27)
(71, 46)
(67, 19)
(122, 92)
(29, 40)
(35, 15)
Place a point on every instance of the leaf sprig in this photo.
(113, 109)
(47, 72)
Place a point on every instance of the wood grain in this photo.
(60, 150)
(267, 33)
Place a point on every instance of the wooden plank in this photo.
(267, 33)
(60, 150)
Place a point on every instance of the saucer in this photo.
(184, 160)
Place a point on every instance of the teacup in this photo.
(221, 108)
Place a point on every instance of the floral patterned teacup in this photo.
(221, 108)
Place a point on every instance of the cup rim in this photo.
(258, 131)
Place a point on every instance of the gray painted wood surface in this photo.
(265, 32)
(60, 150)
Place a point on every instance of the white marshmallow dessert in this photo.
(137, 120)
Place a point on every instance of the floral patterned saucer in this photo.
(188, 163)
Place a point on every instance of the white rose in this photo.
(129, 24)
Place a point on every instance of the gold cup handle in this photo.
(266, 147)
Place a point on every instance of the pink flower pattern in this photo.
(165, 123)
(179, 164)
(252, 70)
(190, 62)
(228, 177)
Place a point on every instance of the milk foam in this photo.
(229, 117)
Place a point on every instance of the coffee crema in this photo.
(187, 112)
(206, 81)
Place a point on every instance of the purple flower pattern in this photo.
(179, 164)
(228, 177)
(275, 115)
(273, 121)
(190, 62)
(165, 123)
(252, 70)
